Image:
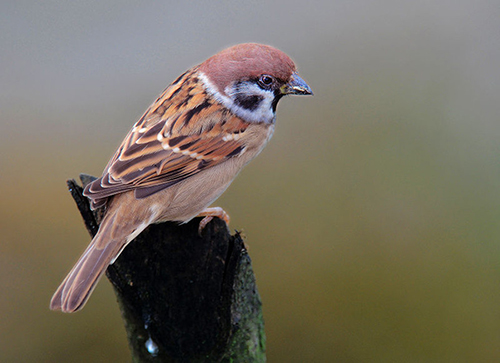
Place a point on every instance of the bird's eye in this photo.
(266, 81)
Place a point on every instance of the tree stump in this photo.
(185, 297)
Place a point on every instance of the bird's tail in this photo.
(76, 288)
(105, 247)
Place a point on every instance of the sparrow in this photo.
(183, 153)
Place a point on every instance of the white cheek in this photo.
(263, 113)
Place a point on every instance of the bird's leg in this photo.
(209, 214)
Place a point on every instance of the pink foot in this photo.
(209, 214)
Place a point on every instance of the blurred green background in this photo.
(371, 217)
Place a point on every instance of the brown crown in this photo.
(247, 61)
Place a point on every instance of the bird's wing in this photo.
(182, 133)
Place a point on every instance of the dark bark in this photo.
(185, 297)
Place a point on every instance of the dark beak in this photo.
(296, 86)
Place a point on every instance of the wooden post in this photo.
(185, 297)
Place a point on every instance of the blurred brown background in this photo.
(372, 216)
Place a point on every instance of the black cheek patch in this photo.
(248, 102)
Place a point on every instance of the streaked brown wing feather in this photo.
(182, 133)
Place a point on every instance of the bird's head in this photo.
(249, 79)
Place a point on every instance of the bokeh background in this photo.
(372, 217)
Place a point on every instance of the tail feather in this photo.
(115, 232)
(77, 287)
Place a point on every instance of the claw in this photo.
(209, 214)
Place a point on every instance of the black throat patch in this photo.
(277, 96)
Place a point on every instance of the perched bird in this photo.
(183, 153)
